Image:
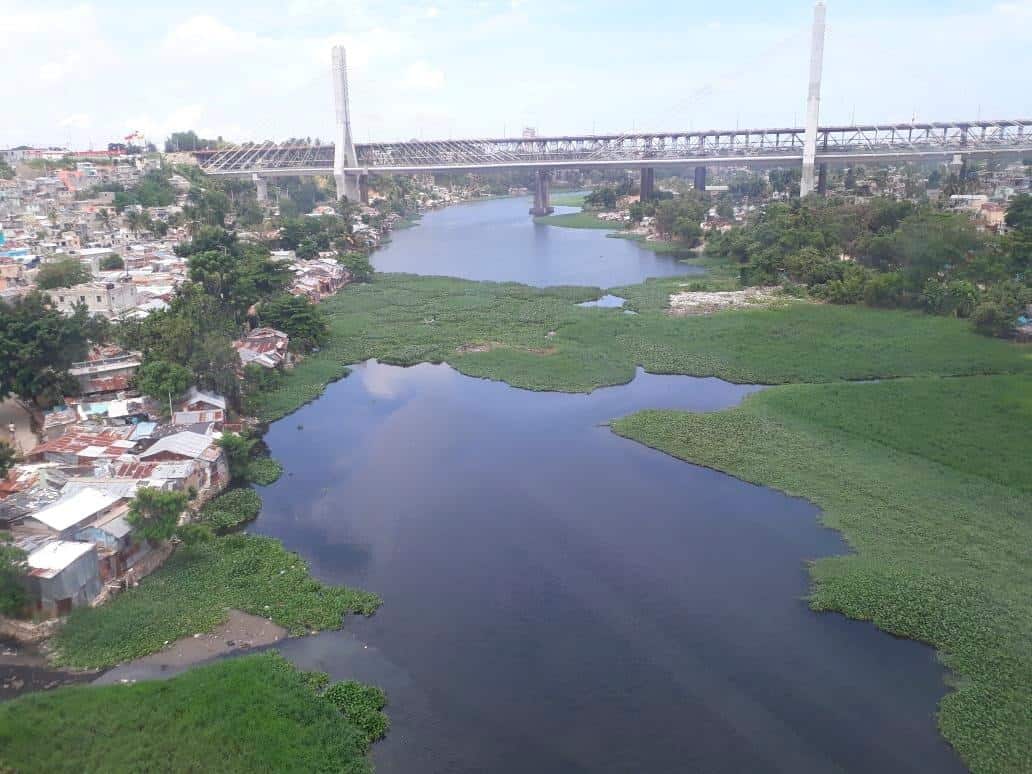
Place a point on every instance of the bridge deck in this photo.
(757, 147)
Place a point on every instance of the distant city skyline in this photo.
(84, 74)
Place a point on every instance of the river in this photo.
(497, 240)
(559, 599)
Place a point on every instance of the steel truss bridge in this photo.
(836, 145)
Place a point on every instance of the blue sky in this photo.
(81, 73)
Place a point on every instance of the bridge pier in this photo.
(700, 178)
(541, 205)
(822, 179)
(648, 184)
(262, 186)
(349, 186)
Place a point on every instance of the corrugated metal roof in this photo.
(73, 509)
(186, 443)
(55, 556)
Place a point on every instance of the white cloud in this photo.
(206, 37)
(77, 121)
(420, 76)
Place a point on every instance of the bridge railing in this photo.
(643, 147)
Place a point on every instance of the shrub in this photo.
(993, 319)
(264, 471)
(232, 508)
(361, 705)
(885, 290)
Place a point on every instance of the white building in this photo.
(110, 299)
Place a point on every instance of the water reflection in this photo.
(560, 599)
(496, 240)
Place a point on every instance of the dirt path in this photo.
(240, 632)
(11, 412)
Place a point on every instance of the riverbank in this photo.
(927, 479)
(194, 593)
(255, 713)
(406, 319)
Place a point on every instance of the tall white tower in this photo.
(344, 155)
(813, 100)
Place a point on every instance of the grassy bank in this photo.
(567, 199)
(193, 592)
(577, 220)
(405, 319)
(928, 481)
(249, 714)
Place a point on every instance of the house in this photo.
(200, 400)
(110, 299)
(179, 476)
(85, 446)
(215, 417)
(62, 519)
(106, 371)
(190, 446)
(62, 574)
(266, 347)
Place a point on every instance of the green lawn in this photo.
(405, 319)
(578, 220)
(928, 481)
(567, 199)
(249, 714)
(193, 593)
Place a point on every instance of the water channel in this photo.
(559, 599)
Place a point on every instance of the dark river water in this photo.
(559, 599)
(498, 240)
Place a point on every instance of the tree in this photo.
(238, 455)
(154, 513)
(159, 379)
(111, 262)
(1020, 213)
(358, 264)
(37, 346)
(12, 565)
(7, 457)
(6, 171)
(601, 199)
(62, 274)
(298, 317)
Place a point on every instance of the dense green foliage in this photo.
(194, 590)
(238, 450)
(358, 264)
(153, 513)
(7, 457)
(296, 316)
(925, 479)
(162, 380)
(404, 320)
(899, 256)
(195, 333)
(264, 471)
(250, 714)
(12, 592)
(6, 170)
(62, 274)
(362, 705)
(154, 189)
(188, 141)
(231, 509)
(37, 346)
(112, 262)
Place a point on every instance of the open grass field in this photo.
(928, 481)
(567, 199)
(405, 319)
(249, 714)
(577, 220)
(193, 593)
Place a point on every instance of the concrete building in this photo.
(106, 374)
(110, 299)
(62, 574)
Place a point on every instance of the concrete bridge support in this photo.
(349, 186)
(648, 184)
(700, 178)
(262, 186)
(541, 205)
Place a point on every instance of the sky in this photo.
(84, 74)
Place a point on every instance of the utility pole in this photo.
(813, 100)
